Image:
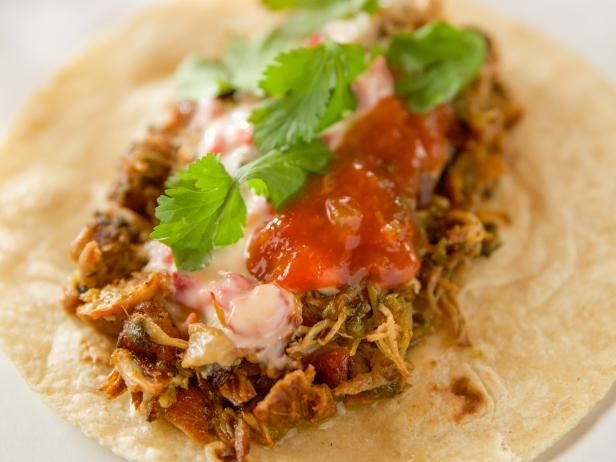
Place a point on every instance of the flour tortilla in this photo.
(541, 311)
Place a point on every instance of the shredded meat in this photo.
(71, 299)
(144, 173)
(485, 112)
(141, 364)
(242, 440)
(192, 413)
(136, 399)
(114, 385)
(295, 399)
(361, 383)
(331, 364)
(135, 338)
(140, 374)
(238, 389)
(109, 249)
(120, 299)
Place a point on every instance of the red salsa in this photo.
(354, 223)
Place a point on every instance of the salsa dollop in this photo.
(356, 222)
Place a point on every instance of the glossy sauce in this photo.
(354, 223)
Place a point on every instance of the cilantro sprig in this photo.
(198, 77)
(309, 16)
(437, 61)
(310, 89)
(277, 5)
(240, 68)
(203, 208)
(245, 59)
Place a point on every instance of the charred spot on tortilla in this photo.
(278, 249)
(473, 399)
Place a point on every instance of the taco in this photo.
(345, 230)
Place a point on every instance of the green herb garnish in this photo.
(310, 90)
(280, 174)
(200, 77)
(240, 68)
(369, 6)
(277, 5)
(436, 61)
(309, 16)
(203, 208)
(245, 59)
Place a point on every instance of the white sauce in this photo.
(161, 258)
(258, 318)
(208, 346)
(227, 132)
(226, 259)
(265, 309)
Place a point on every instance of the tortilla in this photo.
(541, 311)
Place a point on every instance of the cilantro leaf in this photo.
(301, 89)
(277, 5)
(350, 6)
(247, 58)
(240, 68)
(311, 15)
(310, 89)
(370, 6)
(347, 68)
(201, 211)
(200, 77)
(280, 174)
(203, 208)
(437, 61)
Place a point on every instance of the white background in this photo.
(36, 36)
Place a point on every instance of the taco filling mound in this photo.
(272, 253)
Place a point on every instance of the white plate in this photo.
(37, 36)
